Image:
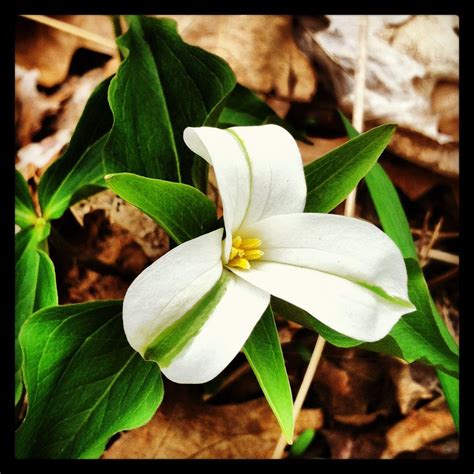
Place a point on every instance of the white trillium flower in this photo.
(194, 308)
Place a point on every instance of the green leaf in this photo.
(331, 178)
(302, 442)
(183, 211)
(163, 86)
(25, 214)
(243, 107)
(81, 164)
(263, 351)
(416, 336)
(84, 382)
(395, 224)
(35, 288)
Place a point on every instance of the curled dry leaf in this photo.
(421, 427)
(151, 238)
(410, 391)
(186, 428)
(412, 78)
(31, 106)
(58, 47)
(259, 48)
(67, 104)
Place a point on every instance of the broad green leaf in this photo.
(394, 222)
(163, 86)
(183, 211)
(25, 214)
(263, 351)
(84, 382)
(35, 287)
(331, 178)
(302, 442)
(243, 107)
(81, 164)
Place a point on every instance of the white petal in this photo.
(222, 335)
(169, 287)
(259, 172)
(340, 304)
(348, 247)
(278, 184)
(221, 150)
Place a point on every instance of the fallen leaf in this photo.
(344, 444)
(319, 148)
(409, 391)
(185, 428)
(423, 151)
(66, 106)
(31, 106)
(412, 180)
(421, 427)
(259, 48)
(353, 386)
(151, 238)
(410, 60)
(38, 155)
(56, 47)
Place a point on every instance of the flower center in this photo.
(244, 250)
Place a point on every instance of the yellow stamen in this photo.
(242, 251)
(253, 254)
(236, 241)
(249, 244)
(242, 263)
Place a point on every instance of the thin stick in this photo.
(74, 30)
(442, 256)
(358, 108)
(302, 392)
(349, 210)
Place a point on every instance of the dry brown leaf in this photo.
(345, 444)
(412, 78)
(38, 155)
(259, 48)
(419, 428)
(353, 386)
(409, 391)
(68, 103)
(144, 230)
(410, 179)
(31, 106)
(442, 159)
(319, 148)
(187, 429)
(50, 51)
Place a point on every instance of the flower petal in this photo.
(344, 271)
(169, 287)
(278, 185)
(259, 172)
(223, 334)
(221, 150)
(345, 246)
(345, 306)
